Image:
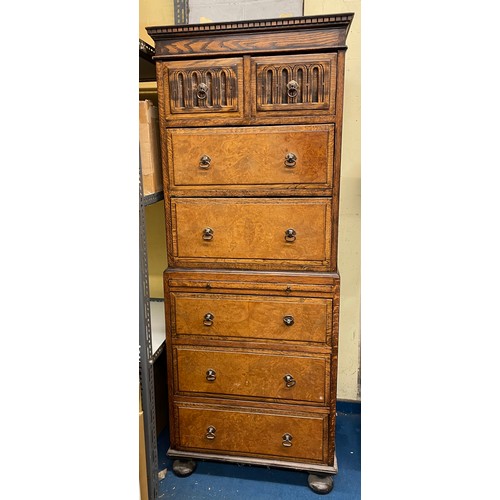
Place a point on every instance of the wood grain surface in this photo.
(251, 158)
(247, 229)
(246, 43)
(253, 374)
(252, 317)
(252, 433)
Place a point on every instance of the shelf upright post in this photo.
(146, 371)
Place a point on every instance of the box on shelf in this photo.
(149, 141)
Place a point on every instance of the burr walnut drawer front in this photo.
(262, 375)
(295, 85)
(285, 232)
(251, 317)
(252, 432)
(234, 158)
(202, 88)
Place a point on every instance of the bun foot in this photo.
(320, 483)
(183, 468)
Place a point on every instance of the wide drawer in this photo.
(253, 433)
(251, 317)
(251, 232)
(293, 157)
(202, 88)
(263, 375)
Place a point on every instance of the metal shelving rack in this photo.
(147, 353)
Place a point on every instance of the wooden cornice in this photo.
(329, 20)
(282, 34)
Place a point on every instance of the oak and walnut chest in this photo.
(251, 129)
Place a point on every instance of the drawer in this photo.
(262, 375)
(295, 84)
(251, 232)
(251, 317)
(267, 157)
(202, 88)
(256, 432)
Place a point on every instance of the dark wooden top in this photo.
(324, 32)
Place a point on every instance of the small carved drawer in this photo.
(203, 88)
(252, 232)
(257, 317)
(247, 431)
(264, 374)
(290, 157)
(295, 85)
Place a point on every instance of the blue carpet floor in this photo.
(241, 482)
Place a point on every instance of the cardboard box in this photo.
(149, 141)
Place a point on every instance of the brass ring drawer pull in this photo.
(292, 88)
(211, 375)
(202, 90)
(287, 440)
(208, 234)
(290, 235)
(211, 430)
(288, 320)
(205, 162)
(208, 319)
(290, 160)
(289, 380)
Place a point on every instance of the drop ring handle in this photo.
(287, 440)
(290, 235)
(201, 91)
(290, 160)
(205, 162)
(208, 234)
(208, 319)
(292, 88)
(289, 381)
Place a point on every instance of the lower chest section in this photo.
(252, 363)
